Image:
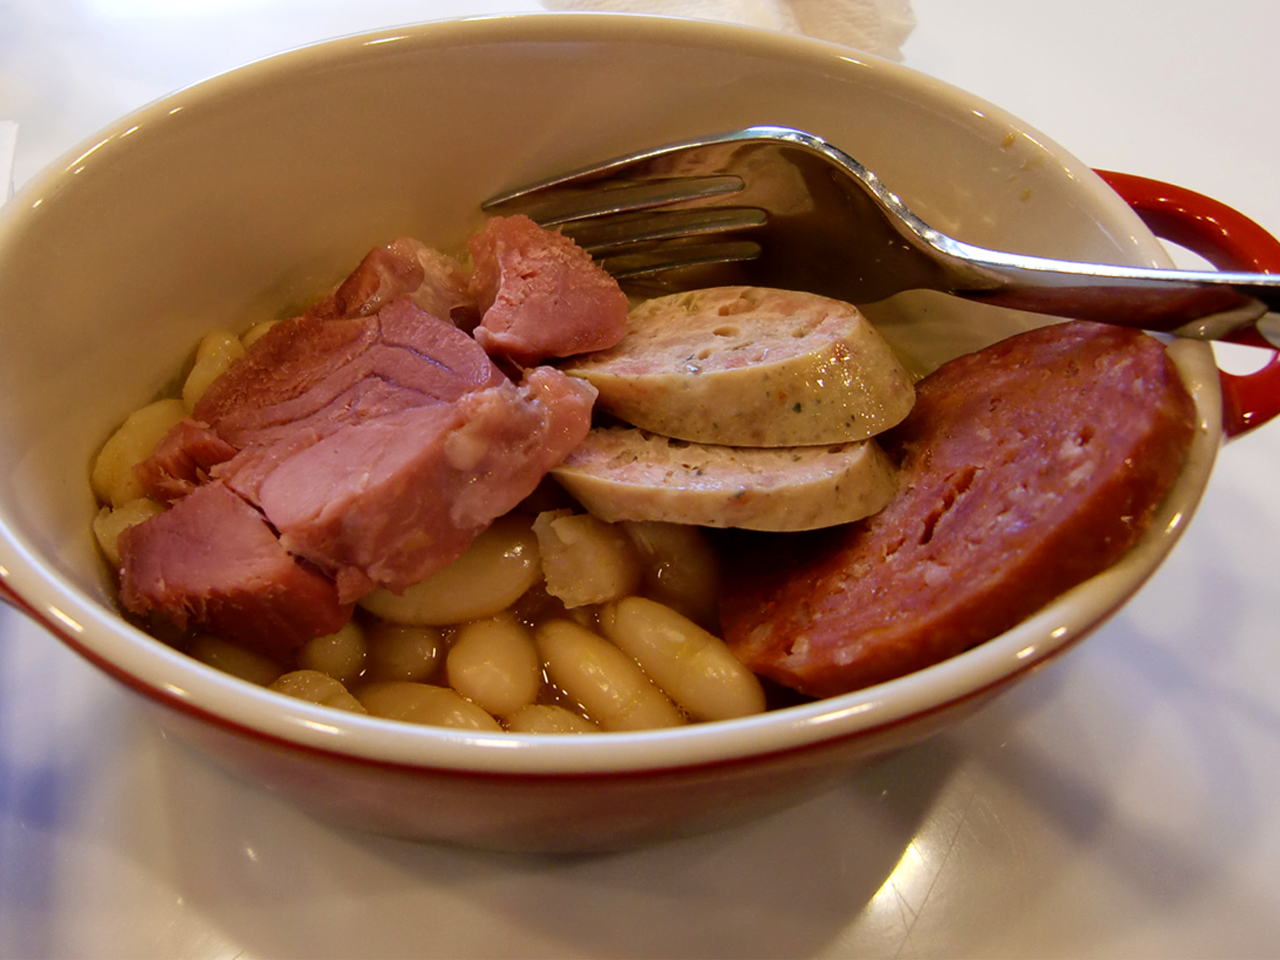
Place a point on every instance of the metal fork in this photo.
(774, 206)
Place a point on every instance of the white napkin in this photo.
(876, 26)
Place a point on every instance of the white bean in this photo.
(681, 568)
(237, 661)
(585, 560)
(613, 690)
(339, 655)
(109, 524)
(498, 567)
(695, 668)
(112, 478)
(218, 349)
(548, 718)
(400, 651)
(424, 703)
(316, 687)
(495, 664)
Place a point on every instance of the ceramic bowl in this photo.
(250, 194)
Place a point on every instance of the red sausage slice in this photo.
(1025, 469)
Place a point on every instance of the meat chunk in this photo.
(184, 459)
(212, 561)
(1025, 469)
(391, 500)
(307, 378)
(320, 374)
(383, 498)
(436, 283)
(364, 443)
(540, 294)
(379, 447)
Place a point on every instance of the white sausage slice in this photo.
(750, 367)
(620, 473)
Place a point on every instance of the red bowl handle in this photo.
(1230, 241)
(9, 598)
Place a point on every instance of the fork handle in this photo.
(1230, 241)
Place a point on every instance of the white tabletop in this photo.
(1121, 803)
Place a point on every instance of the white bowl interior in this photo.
(248, 195)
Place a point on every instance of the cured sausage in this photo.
(1025, 468)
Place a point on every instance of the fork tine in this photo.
(667, 256)
(551, 207)
(646, 217)
(599, 235)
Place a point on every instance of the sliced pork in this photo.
(326, 373)
(367, 442)
(435, 282)
(541, 295)
(211, 561)
(183, 460)
(306, 378)
(392, 500)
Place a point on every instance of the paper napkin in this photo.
(875, 26)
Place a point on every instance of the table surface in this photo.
(1121, 803)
